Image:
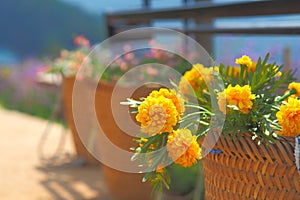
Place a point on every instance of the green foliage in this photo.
(31, 104)
(261, 121)
(183, 180)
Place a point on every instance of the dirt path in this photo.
(24, 177)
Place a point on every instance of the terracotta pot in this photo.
(123, 186)
(172, 196)
(81, 150)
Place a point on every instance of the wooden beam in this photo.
(243, 30)
(236, 30)
(209, 10)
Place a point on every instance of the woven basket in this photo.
(245, 170)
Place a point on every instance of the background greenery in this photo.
(43, 27)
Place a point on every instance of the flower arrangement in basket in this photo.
(253, 158)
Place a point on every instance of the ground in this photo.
(24, 176)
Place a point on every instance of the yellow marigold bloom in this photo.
(195, 79)
(252, 67)
(295, 86)
(276, 69)
(157, 115)
(160, 168)
(289, 117)
(244, 60)
(222, 101)
(172, 95)
(234, 71)
(183, 147)
(205, 72)
(238, 96)
(216, 69)
(191, 77)
(278, 74)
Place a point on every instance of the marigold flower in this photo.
(295, 86)
(190, 78)
(157, 115)
(252, 67)
(278, 74)
(195, 79)
(160, 168)
(244, 60)
(237, 96)
(276, 69)
(183, 147)
(205, 72)
(289, 117)
(234, 71)
(172, 95)
(222, 101)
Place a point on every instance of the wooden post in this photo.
(204, 40)
(146, 3)
(287, 58)
(109, 27)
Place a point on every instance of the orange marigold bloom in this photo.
(289, 117)
(252, 67)
(172, 95)
(157, 115)
(234, 71)
(238, 96)
(160, 168)
(205, 72)
(244, 60)
(183, 147)
(222, 101)
(295, 86)
(195, 78)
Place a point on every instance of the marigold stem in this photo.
(199, 107)
(290, 93)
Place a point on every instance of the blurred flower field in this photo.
(20, 91)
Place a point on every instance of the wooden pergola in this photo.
(203, 14)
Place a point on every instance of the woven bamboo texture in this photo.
(246, 170)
